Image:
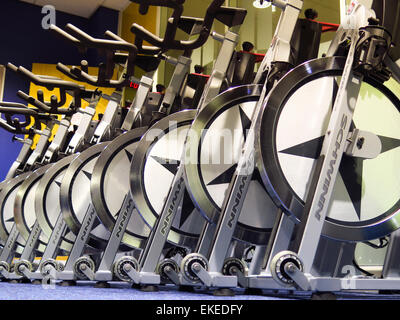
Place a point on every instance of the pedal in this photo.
(47, 266)
(194, 269)
(5, 270)
(23, 268)
(84, 268)
(236, 267)
(125, 269)
(287, 270)
(168, 270)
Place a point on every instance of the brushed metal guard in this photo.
(41, 192)
(175, 236)
(69, 215)
(98, 176)
(271, 173)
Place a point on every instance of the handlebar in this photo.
(32, 119)
(48, 82)
(189, 25)
(48, 107)
(14, 108)
(51, 83)
(172, 26)
(229, 16)
(106, 70)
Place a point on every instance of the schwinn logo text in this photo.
(125, 214)
(34, 236)
(171, 209)
(328, 178)
(235, 208)
(11, 239)
(57, 233)
(88, 223)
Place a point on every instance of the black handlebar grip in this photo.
(40, 95)
(15, 125)
(143, 8)
(145, 4)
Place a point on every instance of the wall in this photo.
(257, 27)
(24, 42)
(131, 15)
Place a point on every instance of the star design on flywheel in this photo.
(88, 175)
(226, 176)
(350, 169)
(187, 205)
(128, 155)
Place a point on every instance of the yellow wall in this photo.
(131, 15)
(50, 70)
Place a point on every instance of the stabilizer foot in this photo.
(102, 284)
(186, 289)
(24, 280)
(323, 296)
(36, 282)
(149, 288)
(68, 283)
(253, 292)
(224, 292)
(136, 286)
(14, 281)
(389, 291)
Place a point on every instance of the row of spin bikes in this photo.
(262, 181)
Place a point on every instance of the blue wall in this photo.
(23, 42)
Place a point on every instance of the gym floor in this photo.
(117, 291)
(122, 291)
